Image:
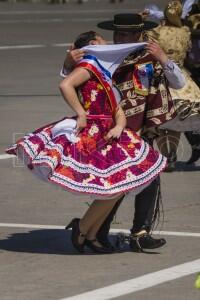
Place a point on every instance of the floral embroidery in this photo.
(105, 183)
(87, 104)
(133, 138)
(90, 178)
(94, 94)
(99, 86)
(104, 151)
(129, 175)
(93, 130)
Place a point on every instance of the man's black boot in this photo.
(143, 240)
(146, 212)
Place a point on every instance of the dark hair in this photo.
(84, 38)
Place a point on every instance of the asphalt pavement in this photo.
(37, 261)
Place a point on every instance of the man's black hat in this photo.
(127, 22)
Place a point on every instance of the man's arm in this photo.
(172, 72)
(174, 75)
(72, 57)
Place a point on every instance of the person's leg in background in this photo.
(194, 140)
(168, 142)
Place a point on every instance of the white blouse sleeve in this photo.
(156, 14)
(187, 6)
(174, 75)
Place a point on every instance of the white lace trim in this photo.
(116, 188)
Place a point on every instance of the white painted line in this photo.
(51, 20)
(21, 47)
(55, 20)
(5, 156)
(114, 231)
(29, 21)
(61, 44)
(174, 233)
(171, 233)
(65, 12)
(12, 47)
(140, 283)
(34, 226)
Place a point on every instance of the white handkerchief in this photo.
(111, 56)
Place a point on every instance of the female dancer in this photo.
(92, 153)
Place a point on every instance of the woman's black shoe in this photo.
(106, 244)
(97, 249)
(74, 224)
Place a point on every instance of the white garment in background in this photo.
(157, 14)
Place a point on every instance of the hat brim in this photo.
(108, 25)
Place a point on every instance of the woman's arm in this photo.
(120, 119)
(68, 89)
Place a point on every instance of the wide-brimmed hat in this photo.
(173, 12)
(127, 22)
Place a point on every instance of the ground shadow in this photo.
(54, 241)
(182, 166)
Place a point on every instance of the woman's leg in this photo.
(95, 216)
(91, 234)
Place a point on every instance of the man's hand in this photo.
(144, 14)
(157, 52)
(114, 133)
(72, 57)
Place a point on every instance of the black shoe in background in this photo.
(194, 157)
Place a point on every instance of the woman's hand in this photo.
(114, 133)
(81, 122)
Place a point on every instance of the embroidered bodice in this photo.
(94, 98)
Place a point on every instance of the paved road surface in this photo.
(39, 262)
